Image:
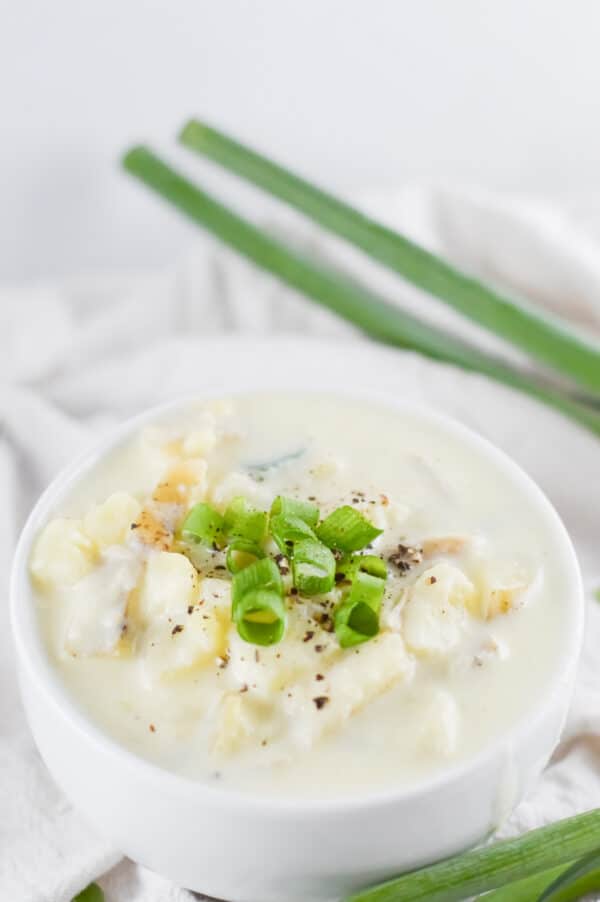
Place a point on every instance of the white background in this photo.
(499, 92)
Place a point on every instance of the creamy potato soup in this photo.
(300, 595)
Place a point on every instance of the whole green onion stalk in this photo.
(374, 314)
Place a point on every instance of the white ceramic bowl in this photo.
(246, 849)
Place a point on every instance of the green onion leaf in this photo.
(527, 889)
(313, 567)
(260, 616)
(242, 521)
(241, 553)
(204, 524)
(286, 531)
(378, 317)
(91, 893)
(291, 507)
(581, 878)
(356, 618)
(346, 529)
(492, 866)
(540, 334)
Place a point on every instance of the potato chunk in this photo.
(98, 603)
(434, 616)
(109, 523)
(169, 586)
(172, 649)
(316, 708)
(62, 554)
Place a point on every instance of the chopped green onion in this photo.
(492, 866)
(260, 616)
(242, 521)
(263, 574)
(581, 878)
(291, 507)
(363, 563)
(258, 609)
(286, 531)
(91, 893)
(355, 622)
(313, 567)
(356, 619)
(241, 553)
(203, 524)
(346, 529)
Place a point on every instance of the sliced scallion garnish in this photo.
(242, 521)
(291, 507)
(260, 617)
(263, 574)
(241, 553)
(364, 563)
(287, 530)
(313, 567)
(355, 622)
(258, 609)
(346, 529)
(356, 618)
(203, 524)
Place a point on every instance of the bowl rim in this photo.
(32, 654)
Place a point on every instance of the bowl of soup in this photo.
(280, 645)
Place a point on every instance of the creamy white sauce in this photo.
(441, 707)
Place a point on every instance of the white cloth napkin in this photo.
(77, 357)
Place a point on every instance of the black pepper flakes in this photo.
(406, 557)
(178, 628)
(308, 635)
(320, 701)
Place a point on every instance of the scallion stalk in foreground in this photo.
(541, 335)
(526, 890)
(373, 314)
(494, 866)
(581, 878)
